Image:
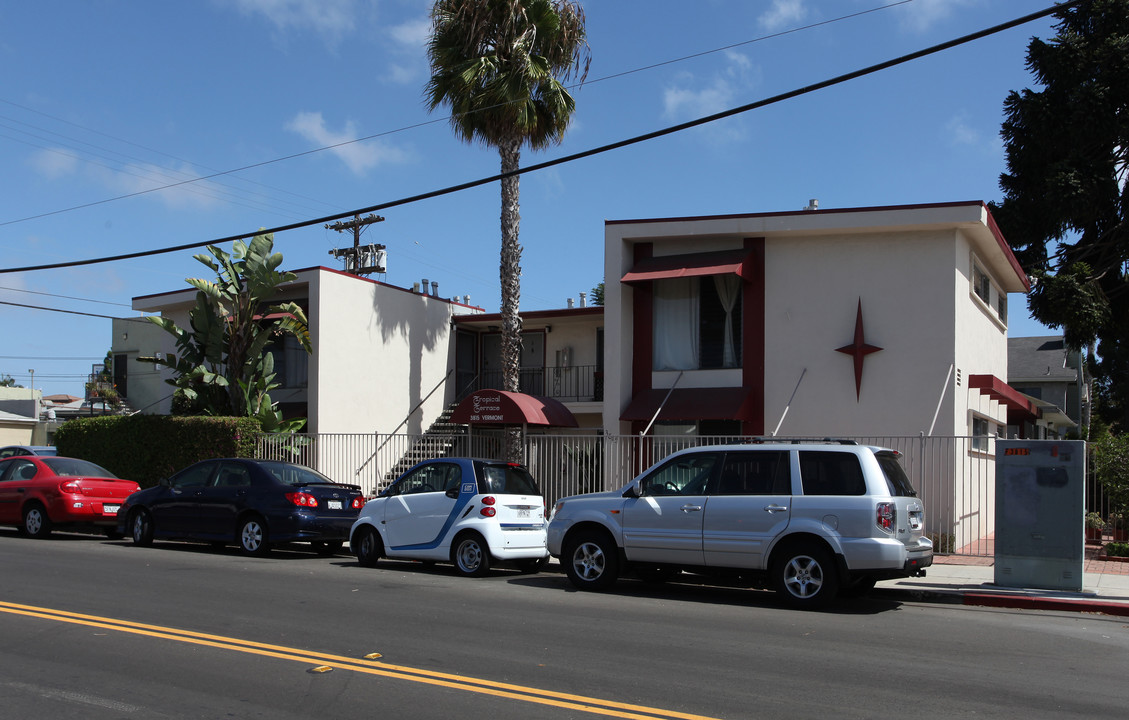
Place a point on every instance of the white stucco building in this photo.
(860, 321)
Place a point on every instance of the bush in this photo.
(147, 448)
(1117, 549)
(1111, 466)
(943, 543)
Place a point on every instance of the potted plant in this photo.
(1095, 526)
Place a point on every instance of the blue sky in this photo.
(109, 98)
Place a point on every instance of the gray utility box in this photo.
(1040, 491)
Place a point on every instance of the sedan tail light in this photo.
(302, 499)
(70, 487)
(358, 502)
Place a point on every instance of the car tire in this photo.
(252, 537)
(36, 524)
(804, 575)
(141, 527)
(528, 566)
(470, 555)
(591, 561)
(325, 548)
(368, 547)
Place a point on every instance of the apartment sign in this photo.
(486, 408)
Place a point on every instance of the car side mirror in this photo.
(453, 493)
(164, 482)
(633, 490)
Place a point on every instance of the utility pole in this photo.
(359, 260)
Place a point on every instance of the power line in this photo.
(72, 312)
(65, 297)
(409, 127)
(837, 80)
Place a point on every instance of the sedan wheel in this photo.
(253, 537)
(141, 528)
(36, 523)
(471, 556)
(591, 561)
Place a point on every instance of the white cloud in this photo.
(960, 132)
(359, 157)
(921, 15)
(54, 163)
(783, 14)
(186, 191)
(412, 34)
(684, 101)
(332, 19)
(408, 41)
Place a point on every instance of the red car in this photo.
(39, 493)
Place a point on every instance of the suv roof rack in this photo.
(760, 440)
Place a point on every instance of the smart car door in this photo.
(664, 524)
(419, 511)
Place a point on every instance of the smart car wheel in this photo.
(367, 547)
(805, 576)
(36, 523)
(470, 555)
(253, 538)
(141, 527)
(591, 561)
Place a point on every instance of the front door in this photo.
(419, 509)
(664, 524)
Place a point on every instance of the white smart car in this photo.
(468, 511)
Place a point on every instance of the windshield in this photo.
(72, 467)
(896, 480)
(506, 479)
(289, 474)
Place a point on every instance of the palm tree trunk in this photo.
(510, 276)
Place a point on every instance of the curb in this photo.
(1003, 600)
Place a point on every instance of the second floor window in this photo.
(697, 323)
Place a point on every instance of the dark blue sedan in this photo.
(250, 503)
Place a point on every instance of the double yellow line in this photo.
(369, 665)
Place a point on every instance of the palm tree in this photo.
(500, 65)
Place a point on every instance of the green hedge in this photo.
(146, 448)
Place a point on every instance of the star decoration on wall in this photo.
(858, 350)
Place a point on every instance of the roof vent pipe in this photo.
(570, 303)
(813, 204)
(583, 299)
(434, 288)
(424, 288)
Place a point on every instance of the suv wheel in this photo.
(805, 576)
(591, 561)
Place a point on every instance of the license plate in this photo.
(523, 512)
(334, 504)
(111, 509)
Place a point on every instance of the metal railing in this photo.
(574, 383)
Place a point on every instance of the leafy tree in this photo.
(1065, 193)
(222, 366)
(500, 65)
(598, 295)
(8, 381)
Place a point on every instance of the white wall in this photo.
(379, 351)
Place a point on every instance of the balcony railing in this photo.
(575, 383)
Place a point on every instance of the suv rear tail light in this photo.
(302, 499)
(886, 517)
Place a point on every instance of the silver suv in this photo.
(811, 518)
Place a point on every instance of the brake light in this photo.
(302, 499)
(70, 486)
(488, 512)
(489, 500)
(886, 517)
(358, 502)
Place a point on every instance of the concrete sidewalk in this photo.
(971, 581)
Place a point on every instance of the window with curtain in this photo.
(697, 323)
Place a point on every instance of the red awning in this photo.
(722, 262)
(1003, 393)
(498, 407)
(691, 404)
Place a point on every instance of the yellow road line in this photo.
(374, 667)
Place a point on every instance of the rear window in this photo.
(831, 473)
(72, 467)
(505, 479)
(897, 482)
(289, 474)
